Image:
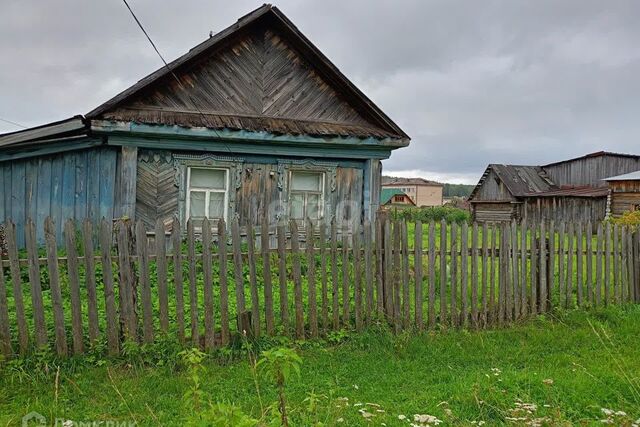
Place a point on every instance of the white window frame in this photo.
(208, 191)
(321, 193)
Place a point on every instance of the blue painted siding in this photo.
(76, 185)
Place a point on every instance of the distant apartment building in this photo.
(421, 191)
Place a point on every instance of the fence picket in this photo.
(515, 288)
(432, 274)
(145, 284)
(542, 250)
(282, 277)
(419, 300)
(589, 263)
(485, 272)
(389, 287)
(380, 270)
(161, 275)
(16, 281)
(297, 279)
(474, 275)
(464, 274)
(106, 241)
(324, 297)
(5, 332)
(207, 283)
(238, 274)
(178, 278)
(404, 254)
(265, 246)
(616, 264)
(36, 286)
(599, 243)
(54, 286)
(570, 253)
(524, 231)
(533, 302)
(74, 286)
(579, 264)
(369, 271)
(90, 279)
(357, 276)
(552, 263)
(453, 309)
(346, 316)
(562, 280)
(311, 279)
(193, 283)
(607, 263)
(253, 280)
(494, 274)
(334, 276)
(224, 282)
(126, 292)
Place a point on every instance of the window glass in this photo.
(208, 178)
(305, 181)
(197, 207)
(216, 205)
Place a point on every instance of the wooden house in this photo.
(254, 121)
(570, 190)
(624, 194)
(394, 198)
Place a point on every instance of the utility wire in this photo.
(13, 123)
(194, 105)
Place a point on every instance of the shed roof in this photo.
(633, 176)
(221, 90)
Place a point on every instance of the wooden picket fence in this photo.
(209, 283)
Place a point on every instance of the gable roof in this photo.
(388, 193)
(392, 180)
(518, 179)
(592, 155)
(227, 81)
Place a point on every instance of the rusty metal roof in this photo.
(392, 180)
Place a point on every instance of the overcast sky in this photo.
(472, 82)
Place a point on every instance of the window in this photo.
(399, 199)
(207, 195)
(306, 191)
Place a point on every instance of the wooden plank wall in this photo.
(75, 184)
(445, 276)
(591, 170)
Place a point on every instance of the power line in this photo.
(202, 115)
(13, 123)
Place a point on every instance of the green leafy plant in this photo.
(192, 359)
(279, 365)
(222, 415)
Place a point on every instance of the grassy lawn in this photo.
(569, 365)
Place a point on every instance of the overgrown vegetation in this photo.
(436, 213)
(630, 219)
(457, 190)
(570, 368)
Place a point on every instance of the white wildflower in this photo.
(607, 411)
(402, 417)
(340, 420)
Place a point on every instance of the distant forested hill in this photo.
(460, 190)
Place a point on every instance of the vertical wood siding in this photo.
(72, 185)
(591, 170)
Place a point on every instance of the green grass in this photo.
(569, 365)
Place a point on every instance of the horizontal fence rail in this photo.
(209, 283)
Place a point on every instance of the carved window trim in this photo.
(234, 166)
(285, 167)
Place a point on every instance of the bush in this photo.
(437, 213)
(631, 218)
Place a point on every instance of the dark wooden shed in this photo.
(253, 122)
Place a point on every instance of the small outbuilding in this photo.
(394, 197)
(624, 194)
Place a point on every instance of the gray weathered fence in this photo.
(209, 282)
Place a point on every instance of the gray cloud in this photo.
(471, 82)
